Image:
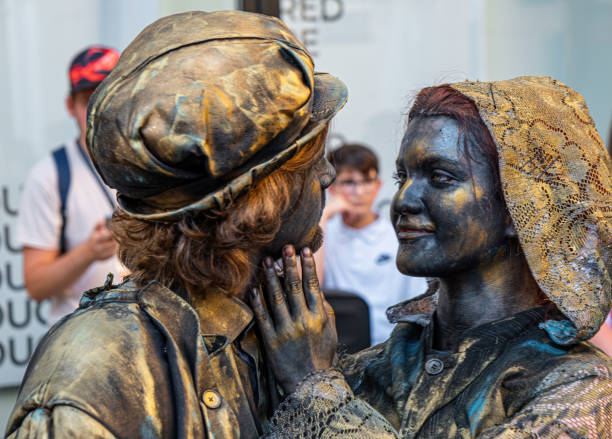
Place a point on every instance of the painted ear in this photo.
(70, 105)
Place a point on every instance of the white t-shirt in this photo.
(363, 261)
(39, 221)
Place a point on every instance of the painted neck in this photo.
(495, 289)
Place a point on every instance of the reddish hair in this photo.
(443, 100)
(214, 249)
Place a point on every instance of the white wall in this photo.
(569, 40)
(385, 51)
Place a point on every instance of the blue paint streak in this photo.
(475, 409)
(543, 347)
(562, 332)
(147, 429)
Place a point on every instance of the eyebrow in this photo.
(433, 161)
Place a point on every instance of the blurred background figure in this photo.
(603, 338)
(359, 247)
(67, 248)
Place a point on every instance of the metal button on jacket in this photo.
(434, 366)
(211, 399)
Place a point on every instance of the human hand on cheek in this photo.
(299, 332)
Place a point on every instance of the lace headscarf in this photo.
(556, 180)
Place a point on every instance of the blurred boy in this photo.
(358, 254)
(67, 248)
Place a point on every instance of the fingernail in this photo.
(288, 250)
(254, 293)
(306, 252)
(269, 262)
(278, 266)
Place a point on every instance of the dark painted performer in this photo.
(211, 128)
(505, 200)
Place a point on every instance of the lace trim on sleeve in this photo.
(323, 406)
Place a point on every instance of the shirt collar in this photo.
(419, 309)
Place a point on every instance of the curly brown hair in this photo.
(213, 249)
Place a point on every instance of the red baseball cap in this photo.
(91, 66)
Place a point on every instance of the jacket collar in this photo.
(421, 309)
(418, 309)
(217, 316)
(222, 315)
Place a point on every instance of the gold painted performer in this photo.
(505, 199)
(211, 127)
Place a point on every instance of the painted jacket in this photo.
(131, 363)
(508, 379)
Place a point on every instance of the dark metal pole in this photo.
(268, 7)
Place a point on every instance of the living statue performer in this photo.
(505, 199)
(211, 128)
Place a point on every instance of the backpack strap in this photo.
(95, 174)
(60, 157)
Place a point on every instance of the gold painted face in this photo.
(300, 225)
(449, 214)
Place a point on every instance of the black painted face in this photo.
(447, 219)
(300, 225)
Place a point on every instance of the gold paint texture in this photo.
(508, 378)
(556, 179)
(139, 363)
(203, 105)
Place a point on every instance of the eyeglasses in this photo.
(352, 185)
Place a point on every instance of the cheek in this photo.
(371, 197)
(459, 200)
(392, 209)
(312, 206)
(474, 237)
(460, 207)
(460, 222)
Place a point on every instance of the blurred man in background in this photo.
(67, 248)
(358, 253)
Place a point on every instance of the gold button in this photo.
(211, 399)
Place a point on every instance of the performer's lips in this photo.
(408, 231)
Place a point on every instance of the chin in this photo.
(417, 264)
(412, 270)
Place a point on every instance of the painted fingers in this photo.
(296, 324)
(293, 297)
